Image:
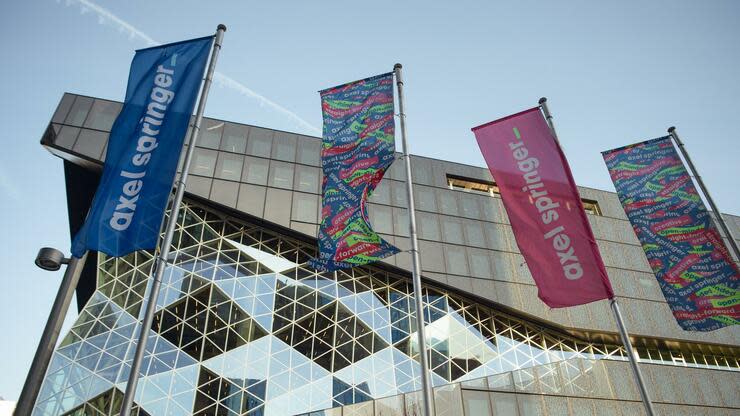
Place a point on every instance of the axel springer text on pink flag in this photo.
(544, 209)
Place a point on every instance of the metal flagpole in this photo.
(695, 173)
(632, 357)
(548, 117)
(49, 337)
(426, 381)
(164, 248)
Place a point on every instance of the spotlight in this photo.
(50, 259)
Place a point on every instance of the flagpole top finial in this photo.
(671, 129)
(543, 100)
(397, 66)
(221, 27)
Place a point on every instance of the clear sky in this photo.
(614, 74)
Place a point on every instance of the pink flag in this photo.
(544, 209)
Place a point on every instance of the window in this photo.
(260, 142)
(309, 151)
(90, 143)
(78, 113)
(63, 108)
(591, 207)
(210, 134)
(307, 179)
(472, 185)
(281, 175)
(229, 166)
(283, 148)
(255, 170)
(67, 137)
(489, 188)
(204, 162)
(305, 207)
(234, 138)
(102, 115)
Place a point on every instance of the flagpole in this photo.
(631, 356)
(548, 117)
(695, 173)
(426, 381)
(164, 248)
(50, 336)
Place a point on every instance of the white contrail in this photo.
(105, 16)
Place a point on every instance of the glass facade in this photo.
(243, 327)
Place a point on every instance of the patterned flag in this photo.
(544, 208)
(693, 267)
(144, 148)
(358, 147)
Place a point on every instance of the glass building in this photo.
(244, 327)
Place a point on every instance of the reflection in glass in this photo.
(284, 145)
(78, 112)
(309, 151)
(103, 114)
(210, 134)
(204, 162)
(67, 136)
(255, 170)
(63, 108)
(229, 166)
(281, 175)
(307, 179)
(259, 142)
(240, 296)
(305, 207)
(234, 138)
(476, 403)
(91, 143)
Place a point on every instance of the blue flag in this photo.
(144, 149)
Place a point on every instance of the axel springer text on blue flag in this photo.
(144, 149)
(358, 147)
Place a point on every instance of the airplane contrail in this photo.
(107, 17)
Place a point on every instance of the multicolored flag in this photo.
(358, 147)
(144, 149)
(544, 208)
(693, 267)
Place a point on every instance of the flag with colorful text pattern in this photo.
(358, 147)
(694, 269)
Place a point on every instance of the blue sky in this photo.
(614, 74)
